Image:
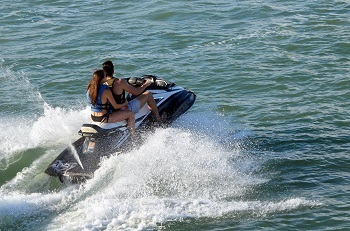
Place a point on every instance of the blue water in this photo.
(265, 146)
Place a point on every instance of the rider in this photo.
(118, 87)
(100, 98)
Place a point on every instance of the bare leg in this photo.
(121, 115)
(147, 97)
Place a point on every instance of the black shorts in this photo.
(102, 118)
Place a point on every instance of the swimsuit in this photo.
(102, 118)
(99, 106)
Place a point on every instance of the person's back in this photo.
(119, 98)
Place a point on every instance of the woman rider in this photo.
(100, 97)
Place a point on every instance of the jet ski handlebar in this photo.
(155, 82)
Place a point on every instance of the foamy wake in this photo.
(176, 174)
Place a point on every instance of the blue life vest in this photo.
(99, 106)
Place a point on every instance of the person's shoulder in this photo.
(122, 81)
(104, 87)
(109, 82)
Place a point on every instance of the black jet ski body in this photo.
(79, 161)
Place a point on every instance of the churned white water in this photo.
(177, 173)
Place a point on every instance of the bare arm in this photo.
(135, 90)
(108, 94)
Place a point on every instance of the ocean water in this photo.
(265, 146)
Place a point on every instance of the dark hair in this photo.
(108, 68)
(94, 85)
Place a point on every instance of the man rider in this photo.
(119, 86)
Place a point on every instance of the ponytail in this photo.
(94, 85)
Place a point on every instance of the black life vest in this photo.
(119, 99)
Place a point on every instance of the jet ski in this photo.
(79, 161)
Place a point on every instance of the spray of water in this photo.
(29, 122)
(177, 173)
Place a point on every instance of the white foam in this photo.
(56, 126)
(22, 131)
(176, 174)
(19, 205)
